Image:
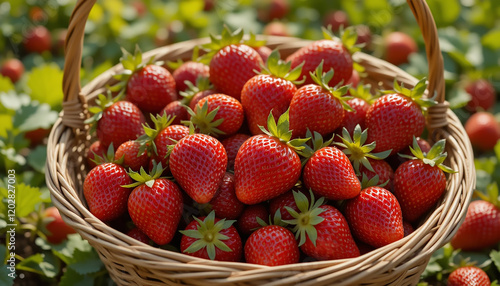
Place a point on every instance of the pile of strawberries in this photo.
(241, 155)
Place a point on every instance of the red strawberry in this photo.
(199, 96)
(283, 201)
(395, 118)
(336, 19)
(95, 148)
(467, 276)
(37, 40)
(375, 217)
(382, 169)
(104, 192)
(420, 182)
(398, 47)
(408, 228)
(247, 222)
(212, 238)
(176, 110)
(131, 155)
(272, 10)
(480, 229)
(264, 52)
(483, 130)
(322, 230)
(270, 91)
(225, 204)
(138, 235)
(360, 105)
(329, 173)
(198, 162)
(233, 64)
(332, 52)
(222, 114)
(116, 121)
(272, 245)
(232, 145)
(483, 95)
(155, 205)
(189, 71)
(149, 86)
(326, 103)
(57, 229)
(13, 69)
(272, 152)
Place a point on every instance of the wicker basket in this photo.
(131, 262)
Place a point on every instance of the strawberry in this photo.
(264, 52)
(225, 204)
(332, 52)
(272, 10)
(326, 103)
(212, 238)
(375, 217)
(483, 130)
(189, 71)
(398, 47)
(272, 152)
(104, 192)
(328, 172)
(336, 20)
(412, 186)
(149, 86)
(116, 121)
(270, 91)
(322, 230)
(155, 205)
(37, 40)
(95, 149)
(276, 28)
(232, 145)
(467, 276)
(481, 227)
(408, 228)
(364, 162)
(232, 63)
(13, 69)
(360, 103)
(157, 141)
(247, 222)
(130, 153)
(198, 163)
(137, 234)
(395, 118)
(56, 229)
(483, 95)
(176, 110)
(272, 245)
(396, 160)
(217, 114)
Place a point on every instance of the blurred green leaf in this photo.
(45, 84)
(445, 12)
(13, 101)
(490, 40)
(495, 257)
(85, 262)
(72, 278)
(4, 276)
(458, 98)
(27, 198)
(6, 120)
(37, 158)
(45, 264)
(33, 116)
(66, 249)
(5, 84)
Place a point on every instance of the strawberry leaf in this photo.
(33, 116)
(45, 84)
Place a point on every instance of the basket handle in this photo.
(75, 103)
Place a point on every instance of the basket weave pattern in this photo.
(131, 262)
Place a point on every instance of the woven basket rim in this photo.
(399, 262)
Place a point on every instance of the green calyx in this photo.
(253, 42)
(195, 57)
(317, 142)
(143, 178)
(348, 37)
(131, 63)
(202, 84)
(103, 102)
(372, 182)
(281, 131)
(363, 92)
(339, 91)
(226, 38)
(416, 93)
(275, 220)
(109, 157)
(204, 121)
(276, 67)
(358, 151)
(207, 235)
(491, 195)
(435, 156)
(147, 140)
(305, 220)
